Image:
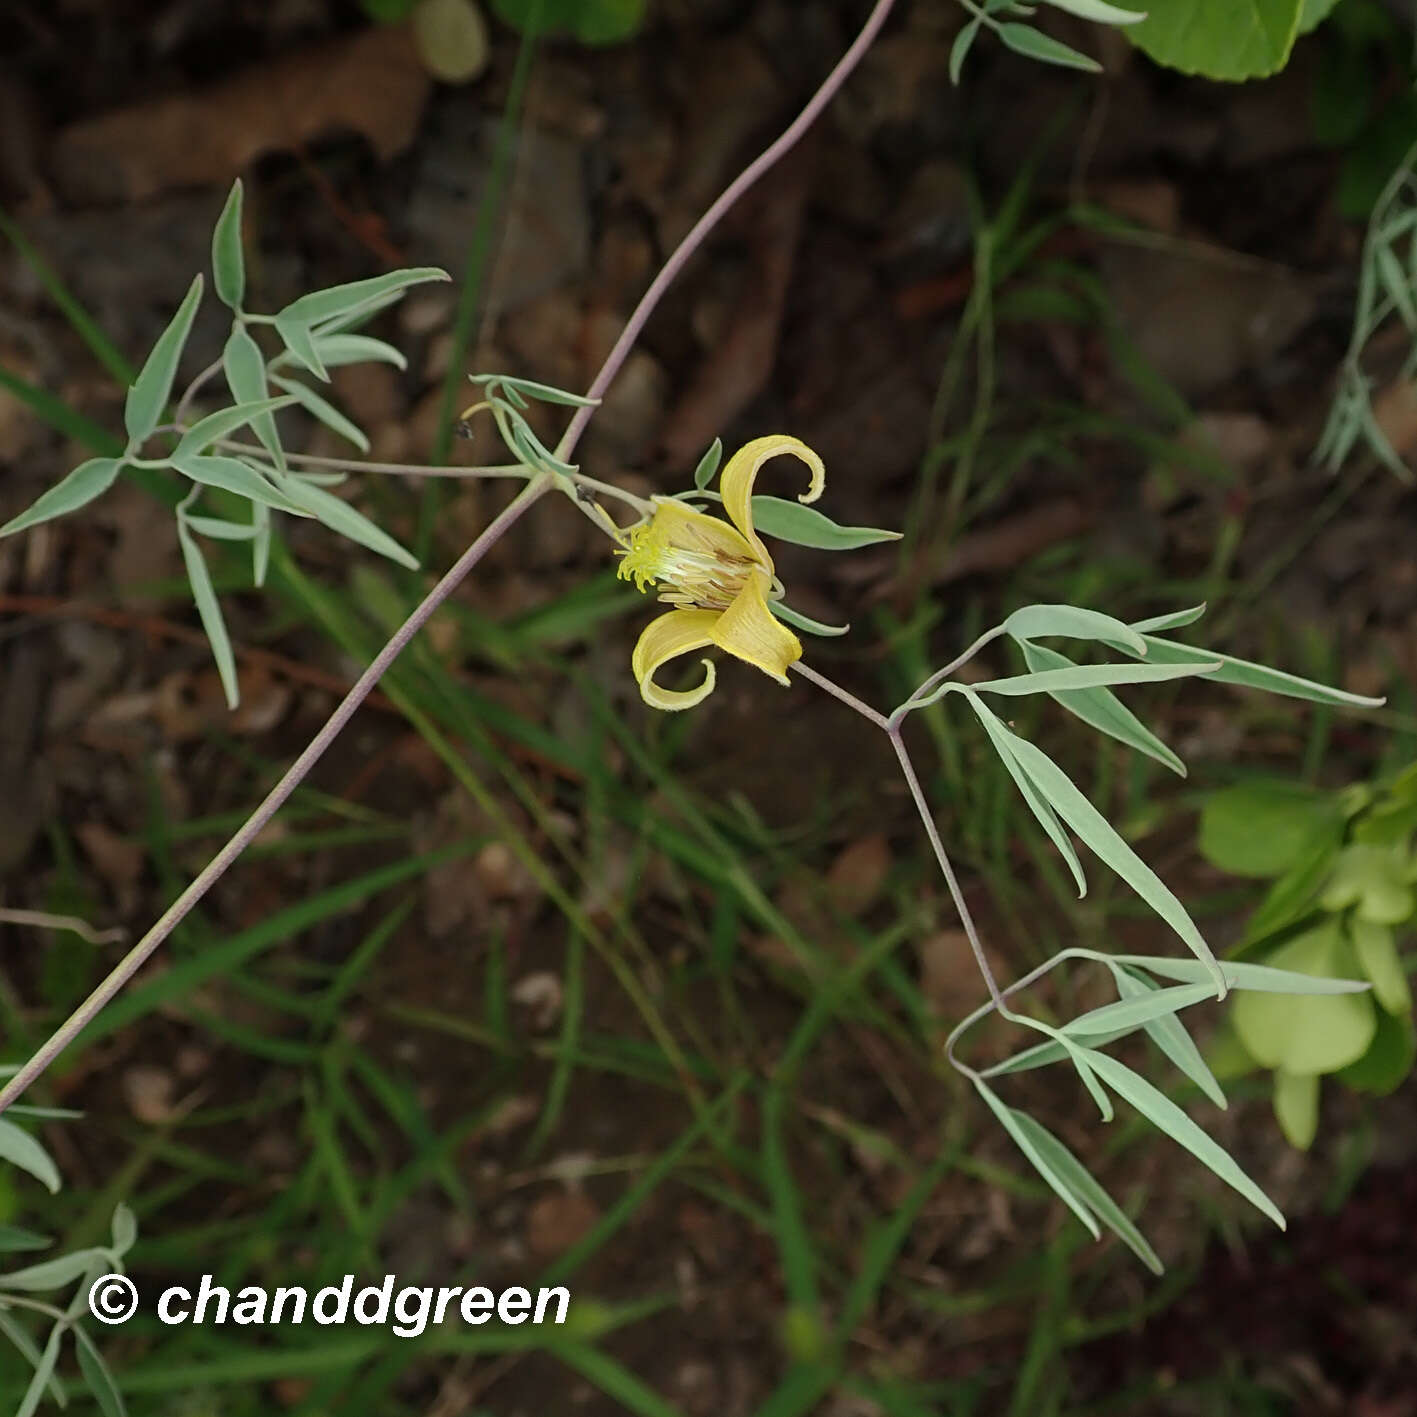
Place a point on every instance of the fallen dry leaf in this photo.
(371, 82)
(118, 860)
(855, 878)
(148, 1093)
(556, 1221)
(1395, 412)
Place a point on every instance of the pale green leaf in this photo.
(1103, 839)
(13, 1238)
(806, 526)
(228, 262)
(236, 476)
(204, 594)
(20, 1149)
(245, 369)
(214, 426)
(707, 469)
(1009, 1118)
(1169, 1034)
(800, 621)
(1127, 1015)
(1098, 11)
(1166, 1115)
(148, 396)
(1103, 710)
(959, 50)
(89, 480)
(1253, 676)
(341, 301)
(339, 516)
(29, 1351)
(43, 1374)
(51, 1274)
(323, 410)
(1176, 620)
(1261, 978)
(220, 530)
(96, 1375)
(335, 351)
(1073, 1174)
(124, 1229)
(1090, 676)
(1037, 803)
(1034, 44)
(1032, 622)
(300, 341)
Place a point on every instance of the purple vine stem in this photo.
(139, 955)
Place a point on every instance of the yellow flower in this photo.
(717, 576)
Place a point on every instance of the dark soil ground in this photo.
(827, 306)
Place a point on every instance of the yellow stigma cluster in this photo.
(688, 566)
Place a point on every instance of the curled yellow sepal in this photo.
(736, 482)
(747, 629)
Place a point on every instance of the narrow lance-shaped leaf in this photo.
(1032, 622)
(1091, 676)
(233, 475)
(1165, 1114)
(29, 1351)
(1262, 977)
(51, 1274)
(214, 426)
(1073, 1174)
(1025, 40)
(208, 608)
(335, 351)
(228, 261)
(1037, 803)
(1169, 1034)
(43, 1373)
(1104, 840)
(543, 393)
(323, 410)
(245, 369)
(148, 396)
(1098, 12)
(301, 343)
(1008, 1117)
(1131, 1014)
(20, 1149)
(339, 516)
(959, 50)
(1103, 710)
(96, 1375)
(799, 621)
(89, 480)
(806, 526)
(1253, 676)
(342, 300)
(1175, 620)
(707, 469)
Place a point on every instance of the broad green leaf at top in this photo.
(1219, 39)
(590, 21)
